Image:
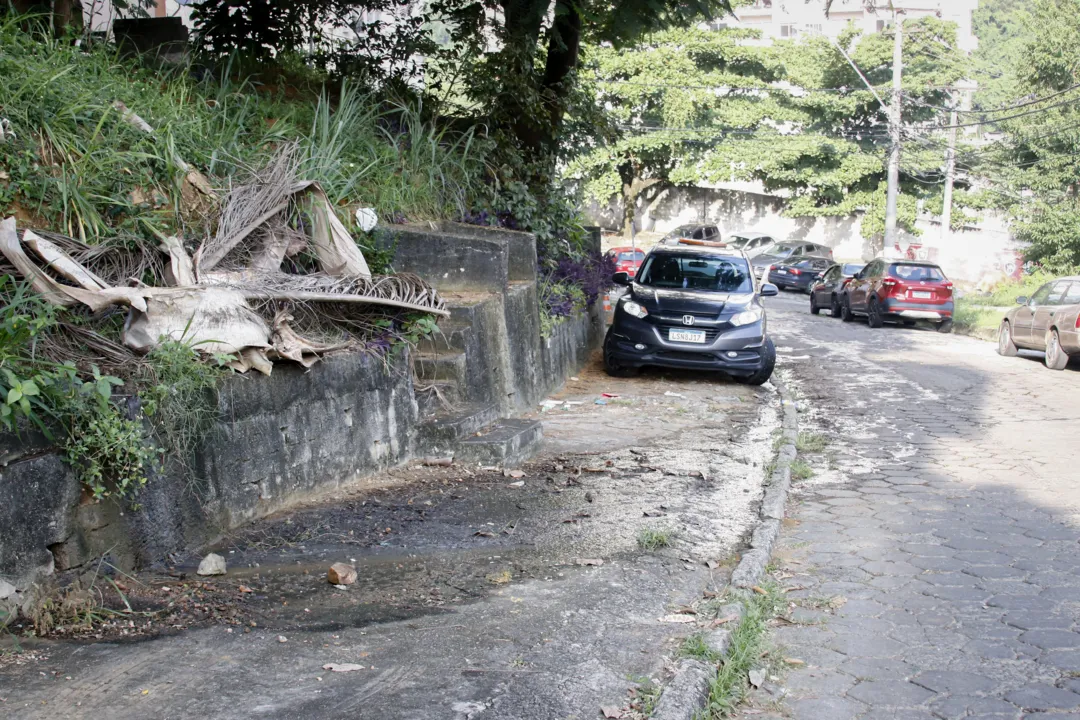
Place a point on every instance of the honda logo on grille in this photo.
(687, 319)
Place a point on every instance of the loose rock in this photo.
(212, 564)
(341, 574)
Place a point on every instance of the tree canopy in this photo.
(711, 106)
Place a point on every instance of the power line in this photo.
(1003, 108)
(768, 88)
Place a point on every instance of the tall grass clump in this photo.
(69, 162)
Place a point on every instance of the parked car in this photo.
(692, 232)
(695, 307)
(1049, 321)
(798, 274)
(904, 290)
(751, 243)
(780, 251)
(627, 259)
(825, 291)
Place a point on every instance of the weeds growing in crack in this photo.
(747, 651)
(801, 470)
(654, 538)
(810, 442)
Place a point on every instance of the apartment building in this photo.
(782, 19)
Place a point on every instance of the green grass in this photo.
(654, 538)
(810, 442)
(748, 650)
(979, 320)
(77, 167)
(801, 470)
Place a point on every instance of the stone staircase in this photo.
(459, 414)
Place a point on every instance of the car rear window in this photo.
(905, 271)
(697, 272)
(630, 255)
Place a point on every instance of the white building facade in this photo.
(784, 19)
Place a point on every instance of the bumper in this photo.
(736, 351)
(1070, 341)
(789, 282)
(919, 311)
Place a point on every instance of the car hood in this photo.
(665, 301)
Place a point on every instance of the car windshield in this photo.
(916, 273)
(778, 249)
(630, 255)
(738, 240)
(697, 272)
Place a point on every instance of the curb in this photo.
(688, 692)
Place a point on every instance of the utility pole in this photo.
(894, 132)
(950, 168)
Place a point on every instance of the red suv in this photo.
(627, 259)
(903, 290)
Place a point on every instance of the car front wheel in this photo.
(945, 326)
(762, 376)
(1006, 346)
(612, 366)
(834, 307)
(814, 309)
(1056, 358)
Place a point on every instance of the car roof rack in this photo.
(705, 243)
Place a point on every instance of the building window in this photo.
(717, 25)
(788, 31)
(881, 24)
(813, 28)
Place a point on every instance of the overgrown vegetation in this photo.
(748, 650)
(801, 470)
(654, 538)
(811, 442)
(980, 314)
(102, 436)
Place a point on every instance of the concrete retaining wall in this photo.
(281, 439)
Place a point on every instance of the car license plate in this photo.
(692, 336)
(921, 294)
(781, 272)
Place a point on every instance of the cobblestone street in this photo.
(931, 560)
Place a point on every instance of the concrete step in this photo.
(442, 431)
(507, 443)
(431, 403)
(449, 337)
(449, 365)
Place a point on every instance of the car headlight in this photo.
(634, 309)
(746, 317)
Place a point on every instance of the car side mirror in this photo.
(768, 290)
(621, 278)
(1022, 300)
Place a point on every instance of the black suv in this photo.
(695, 307)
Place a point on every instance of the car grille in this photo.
(687, 356)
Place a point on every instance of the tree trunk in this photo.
(564, 46)
(632, 187)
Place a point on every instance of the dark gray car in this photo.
(785, 250)
(1048, 321)
(693, 307)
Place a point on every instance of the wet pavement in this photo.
(931, 562)
(480, 593)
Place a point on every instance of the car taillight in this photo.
(796, 271)
(889, 283)
(948, 286)
(1077, 325)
